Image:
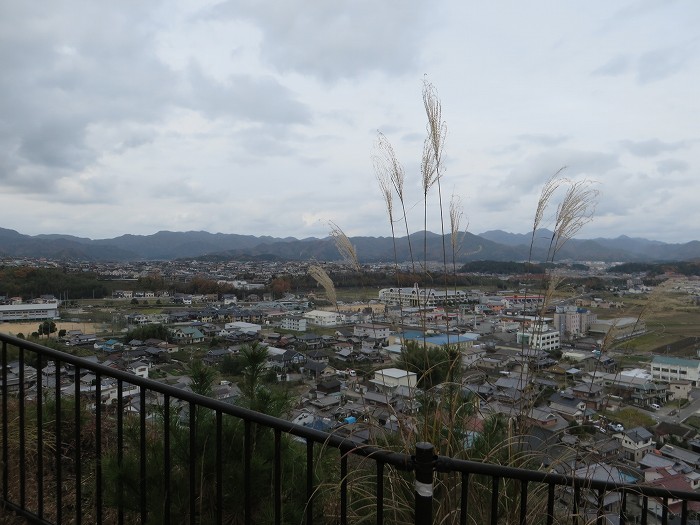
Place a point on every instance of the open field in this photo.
(28, 328)
(669, 317)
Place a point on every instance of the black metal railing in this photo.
(116, 448)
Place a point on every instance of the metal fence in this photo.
(111, 447)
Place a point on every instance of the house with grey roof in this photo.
(636, 443)
(681, 454)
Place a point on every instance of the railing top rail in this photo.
(399, 460)
(447, 464)
(345, 444)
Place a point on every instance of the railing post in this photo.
(424, 483)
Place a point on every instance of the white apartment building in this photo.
(388, 380)
(323, 318)
(664, 368)
(542, 338)
(296, 323)
(418, 297)
(377, 331)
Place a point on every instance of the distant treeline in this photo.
(656, 269)
(514, 268)
(30, 283)
(389, 279)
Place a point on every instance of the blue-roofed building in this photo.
(461, 341)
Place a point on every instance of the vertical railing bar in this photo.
(78, 450)
(59, 471)
(523, 502)
(22, 435)
(247, 451)
(645, 509)
(623, 507)
(550, 503)
(577, 496)
(380, 492)
(601, 498)
(120, 449)
(309, 482)
(166, 457)
(193, 478)
(464, 499)
(664, 512)
(684, 512)
(40, 435)
(219, 468)
(5, 429)
(98, 447)
(494, 500)
(343, 488)
(142, 445)
(278, 476)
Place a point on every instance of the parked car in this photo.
(616, 427)
(655, 406)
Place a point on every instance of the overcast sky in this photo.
(260, 118)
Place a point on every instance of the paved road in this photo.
(683, 413)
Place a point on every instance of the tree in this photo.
(46, 328)
(280, 286)
(62, 332)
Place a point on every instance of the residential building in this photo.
(187, 335)
(387, 380)
(666, 368)
(323, 318)
(636, 443)
(296, 323)
(573, 321)
(540, 338)
(376, 331)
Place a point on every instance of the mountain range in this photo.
(491, 245)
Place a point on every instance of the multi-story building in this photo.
(540, 337)
(322, 318)
(665, 368)
(636, 443)
(387, 380)
(28, 312)
(374, 331)
(424, 298)
(573, 321)
(294, 322)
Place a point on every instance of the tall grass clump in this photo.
(443, 412)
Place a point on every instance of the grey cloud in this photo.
(614, 67)
(56, 143)
(669, 166)
(660, 64)
(69, 70)
(543, 139)
(533, 172)
(333, 41)
(259, 99)
(651, 147)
